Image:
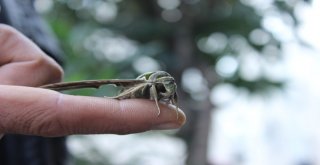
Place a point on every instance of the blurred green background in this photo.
(213, 48)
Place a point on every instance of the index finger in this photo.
(24, 63)
(35, 111)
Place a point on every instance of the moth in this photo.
(157, 86)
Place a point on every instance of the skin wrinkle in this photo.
(7, 70)
(21, 120)
(33, 122)
(58, 99)
(31, 115)
(128, 125)
(62, 117)
(91, 107)
(127, 115)
(39, 77)
(35, 117)
(47, 123)
(62, 131)
(78, 115)
(38, 73)
(131, 115)
(15, 118)
(113, 114)
(113, 108)
(3, 115)
(64, 113)
(47, 129)
(49, 67)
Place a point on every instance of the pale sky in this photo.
(282, 129)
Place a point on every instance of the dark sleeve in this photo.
(21, 15)
(22, 149)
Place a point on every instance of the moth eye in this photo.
(145, 76)
(170, 82)
(161, 87)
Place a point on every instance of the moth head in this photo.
(168, 84)
(153, 76)
(165, 83)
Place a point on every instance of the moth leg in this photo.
(174, 101)
(154, 95)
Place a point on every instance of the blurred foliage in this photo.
(74, 21)
(105, 39)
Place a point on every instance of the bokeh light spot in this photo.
(171, 15)
(43, 6)
(223, 93)
(105, 11)
(259, 37)
(168, 4)
(145, 64)
(227, 66)
(215, 43)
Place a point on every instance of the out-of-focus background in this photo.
(247, 73)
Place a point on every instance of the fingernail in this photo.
(165, 126)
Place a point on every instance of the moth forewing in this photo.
(130, 92)
(91, 84)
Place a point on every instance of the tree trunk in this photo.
(196, 130)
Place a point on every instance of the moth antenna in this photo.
(154, 94)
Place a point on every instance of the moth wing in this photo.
(128, 92)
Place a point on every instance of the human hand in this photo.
(42, 112)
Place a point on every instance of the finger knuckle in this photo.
(7, 30)
(8, 35)
(57, 73)
(51, 69)
(48, 128)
